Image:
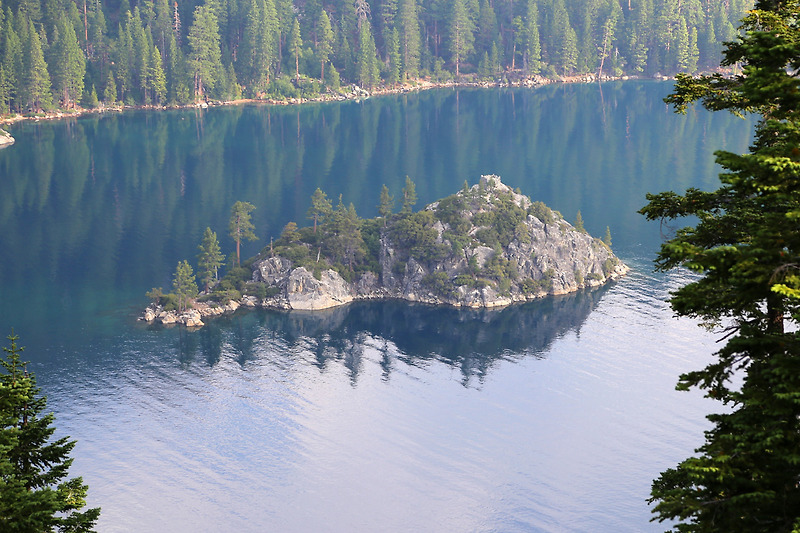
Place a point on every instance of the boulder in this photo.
(304, 291)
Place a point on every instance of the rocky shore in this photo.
(540, 254)
(5, 138)
(349, 92)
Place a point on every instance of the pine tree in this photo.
(368, 72)
(210, 259)
(123, 54)
(110, 90)
(386, 204)
(325, 41)
(158, 80)
(409, 38)
(295, 44)
(461, 36)
(205, 58)
(35, 494)
(607, 237)
(579, 222)
(532, 49)
(12, 61)
(35, 87)
(746, 248)
(409, 196)
(184, 286)
(68, 64)
(320, 207)
(240, 226)
(395, 60)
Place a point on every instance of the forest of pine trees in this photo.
(63, 53)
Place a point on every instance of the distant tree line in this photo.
(56, 53)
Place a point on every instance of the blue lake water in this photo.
(552, 416)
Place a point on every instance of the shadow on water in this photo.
(472, 341)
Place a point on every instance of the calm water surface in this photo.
(552, 416)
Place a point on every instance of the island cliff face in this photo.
(486, 246)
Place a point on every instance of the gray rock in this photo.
(304, 291)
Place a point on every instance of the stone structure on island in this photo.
(486, 246)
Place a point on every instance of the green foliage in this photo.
(240, 226)
(542, 212)
(439, 284)
(320, 209)
(409, 196)
(579, 222)
(35, 493)
(386, 204)
(209, 259)
(184, 286)
(607, 237)
(416, 236)
(205, 56)
(155, 295)
(746, 248)
(609, 265)
(273, 48)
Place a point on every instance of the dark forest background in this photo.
(63, 53)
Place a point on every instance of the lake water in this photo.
(551, 416)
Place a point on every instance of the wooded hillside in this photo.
(56, 53)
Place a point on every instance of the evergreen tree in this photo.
(67, 64)
(184, 285)
(123, 53)
(531, 49)
(35, 494)
(89, 99)
(141, 56)
(12, 61)
(110, 90)
(35, 87)
(682, 44)
(386, 204)
(295, 45)
(240, 226)
(564, 53)
(320, 208)
(579, 222)
(368, 72)
(325, 41)
(487, 27)
(158, 81)
(461, 36)
(344, 241)
(210, 259)
(205, 58)
(409, 196)
(5, 92)
(747, 248)
(395, 60)
(409, 38)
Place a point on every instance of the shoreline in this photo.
(354, 93)
(194, 317)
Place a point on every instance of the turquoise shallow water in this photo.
(553, 416)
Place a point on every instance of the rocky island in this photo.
(485, 246)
